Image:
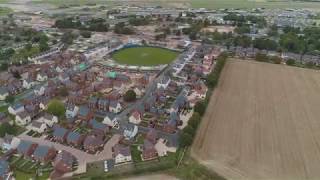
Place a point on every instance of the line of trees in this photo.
(290, 62)
(189, 132)
(95, 24)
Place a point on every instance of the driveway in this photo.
(82, 157)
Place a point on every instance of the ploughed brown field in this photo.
(263, 122)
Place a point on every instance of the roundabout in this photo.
(144, 56)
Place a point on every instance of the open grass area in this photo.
(3, 108)
(4, 11)
(144, 56)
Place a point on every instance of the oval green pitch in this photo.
(144, 56)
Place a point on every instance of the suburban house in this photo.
(115, 107)
(103, 105)
(59, 134)
(135, 117)
(10, 142)
(130, 131)
(98, 126)
(121, 153)
(16, 108)
(180, 102)
(63, 77)
(75, 139)
(63, 162)
(139, 90)
(39, 91)
(93, 143)
(85, 113)
(42, 77)
(71, 111)
(171, 125)
(38, 126)
(3, 93)
(44, 101)
(23, 118)
(92, 102)
(44, 154)
(164, 83)
(4, 118)
(148, 151)
(152, 136)
(110, 120)
(26, 148)
(5, 171)
(28, 83)
(48, 119)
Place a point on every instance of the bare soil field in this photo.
(153, 177)
(263, 122)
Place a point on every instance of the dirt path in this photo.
(263, 123)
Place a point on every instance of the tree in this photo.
(16, 74)
(194, 121)
(212, 80)
(68, 37)
(28, 46)
(185, 140)
(189, 130)
(9, 99)
(261, 57)
(63, 91)
(200, 107)
(6, 128)
(56, 108)
(43, 46)
(4, 66)
(130, 96)
(85, 34)
(275, 59)
(290, 62)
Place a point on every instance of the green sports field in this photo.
(144, 56)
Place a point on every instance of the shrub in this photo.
(56, 108)
(130, 96)
(200, 107)
(291, 62)
(261, 57)
(275, 59)
(185, 140)
(189, 130)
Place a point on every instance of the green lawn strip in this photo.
(4, 10)
(19, 175)
(144, 56)
(135, 153)
(4, 109)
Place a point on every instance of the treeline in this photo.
(189, 132)
(139, 21)
(240, 20)
(121, 28)
(290, 62)
(95, 24)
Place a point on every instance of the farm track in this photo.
(262, 123)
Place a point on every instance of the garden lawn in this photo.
(3, 108)
(145, 56)
(4, 11)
